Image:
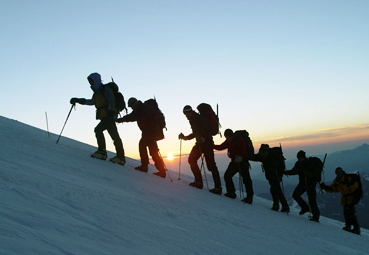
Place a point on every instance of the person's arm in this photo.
(295, 170)
(222, 146)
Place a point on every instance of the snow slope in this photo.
(56, 199)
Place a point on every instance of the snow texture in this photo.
(56, 199)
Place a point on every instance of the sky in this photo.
(86, 206)
(290, 72)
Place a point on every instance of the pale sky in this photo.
(295, 72)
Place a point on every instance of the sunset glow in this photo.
(170, 156)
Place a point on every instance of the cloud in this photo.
(327, 134)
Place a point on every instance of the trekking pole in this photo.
(307, 193)
(203, 167)
(240, 185)
(73, 105)
(47, 125)
(280, 146)
(180, 159)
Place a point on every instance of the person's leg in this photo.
(311, 192)
(101, 146)
(159, 162)
(210, 162)
(297, 193)
(99, 129)
(228, 175)
(246, 178)
(195, 154)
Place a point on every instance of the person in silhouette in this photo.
(151, 133)
(104, 101)
(347, 185)
(305, 170)
(204, 146)
(237, 152)
(272, 166)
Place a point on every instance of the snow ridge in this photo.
(55, 199)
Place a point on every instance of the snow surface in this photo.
(56, 199)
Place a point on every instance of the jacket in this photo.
(270, 166)
(346, 186)
(304, 170)
(103, 98)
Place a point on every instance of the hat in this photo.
(264, 147)
(131, 101)
(228, 132)
(187, 109)
(338, 170)
(301, 154)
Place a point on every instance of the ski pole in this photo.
(180, 159)
(73, 105)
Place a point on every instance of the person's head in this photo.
(301, 156)
(264, 150)
(187, 110)
(228, 134)
(339, 172)
(132, 102)
(95, 81)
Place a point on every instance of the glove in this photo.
(200, 140)
(75, 100)
(238, 159)
(181, 136)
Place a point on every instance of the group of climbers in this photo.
(151, 122)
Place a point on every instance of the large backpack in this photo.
(120, 104)
(317, 165)
(277, 154)
(249, 146)
(158, 118)
(358, 193)
(210, 117)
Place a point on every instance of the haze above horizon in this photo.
(290, 72)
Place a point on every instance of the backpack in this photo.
(210, 117)
(317, 168)
(159, 118)
(277, 154)
(249, 146)
(120, 104)
(358, 193)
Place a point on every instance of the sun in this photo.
(170, 156)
